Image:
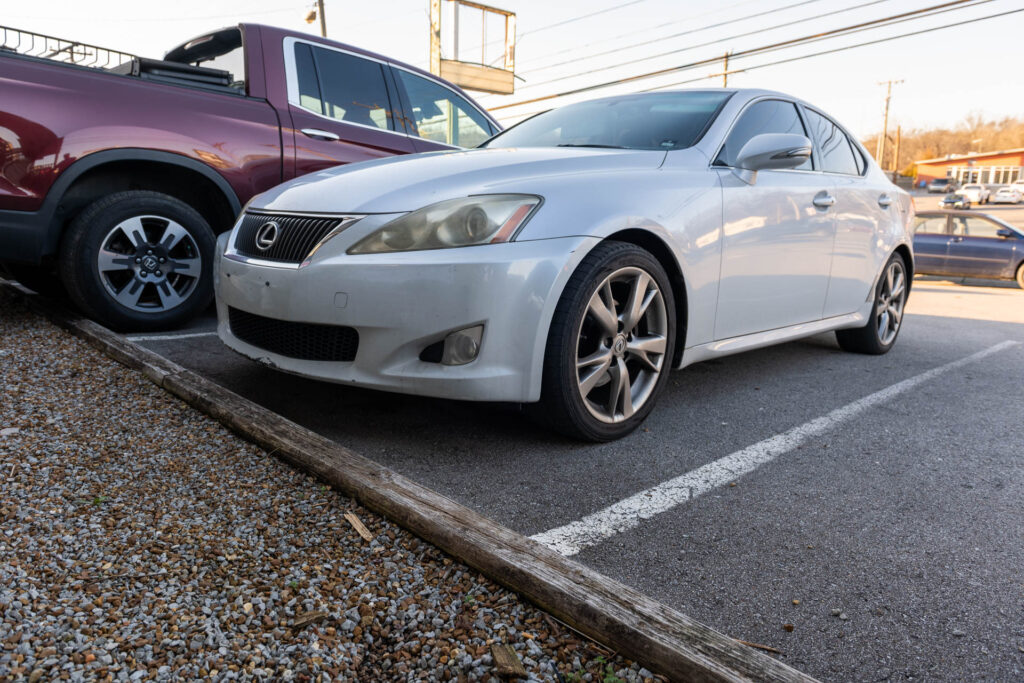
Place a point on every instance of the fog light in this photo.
(463, 346)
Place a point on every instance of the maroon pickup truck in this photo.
(117, 172)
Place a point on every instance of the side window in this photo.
(835, 151)
(766, 116)
(352, 89)
(441, 115)
(930, 226)
(309, 86)
(979, 227)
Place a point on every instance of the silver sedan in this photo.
(571, 260)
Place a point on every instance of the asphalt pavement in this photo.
(883, 542)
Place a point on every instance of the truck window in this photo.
(441, 115)
(309, 86)
(352, 89)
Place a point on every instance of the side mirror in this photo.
(1005, 232)
(772, 151)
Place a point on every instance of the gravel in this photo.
(140, 540)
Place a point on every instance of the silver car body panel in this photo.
(760, 263)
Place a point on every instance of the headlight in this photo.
(484, 219)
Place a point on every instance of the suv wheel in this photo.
(139, 261)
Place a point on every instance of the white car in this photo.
(977, 194)
(1007, 195)
(575, 258)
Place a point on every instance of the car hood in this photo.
(407, 183)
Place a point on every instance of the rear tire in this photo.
(139, 261)
(886, 319)
(610, 345)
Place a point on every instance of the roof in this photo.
(974, 155)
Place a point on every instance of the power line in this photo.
(821, 53)
(743, 53)
(605, 41)
(686, 33)
(705, 44)
(789, 60)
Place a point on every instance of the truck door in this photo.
(341, 108)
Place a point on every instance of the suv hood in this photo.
(406, 183)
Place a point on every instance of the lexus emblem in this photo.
(267, 235)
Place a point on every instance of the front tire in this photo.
(610, 345)
(1020, 275)
(886, 319)
(139, 261)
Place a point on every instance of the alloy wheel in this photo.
(621, 344)
(892, 295)
(149, 263)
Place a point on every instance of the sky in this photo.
(948, 74)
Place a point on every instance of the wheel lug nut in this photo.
(159, 273)
(162, 259)
(138, 260)
(144, 273)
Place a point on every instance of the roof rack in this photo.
(57, 49)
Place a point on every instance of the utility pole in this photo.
(896, 152)
(725, 70)
(880, 147)
(323, 19)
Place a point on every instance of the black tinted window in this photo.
(352, 89)
(652, 121)
(835, 153)
(441, 115)
(766, 116)
(309, 88)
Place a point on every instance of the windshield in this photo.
(649, 121)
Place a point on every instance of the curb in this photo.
(613, 614)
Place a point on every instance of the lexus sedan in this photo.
(976, 194)
(968, 245)
(569, 262)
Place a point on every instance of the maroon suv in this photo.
(117, 172)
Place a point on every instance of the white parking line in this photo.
(630, 512)
(161, 337)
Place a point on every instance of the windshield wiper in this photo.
(569, 144)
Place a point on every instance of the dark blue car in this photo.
(968, 244)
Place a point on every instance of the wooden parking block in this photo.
(358, 525)
(506, 661)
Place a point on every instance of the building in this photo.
(980, 167)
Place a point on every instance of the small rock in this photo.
(843, 616)
(836, 612)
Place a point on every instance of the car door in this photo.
(437, 117)
(975, 248)
(341, 108)
(864, 209)
(931, 240)
(777, 232)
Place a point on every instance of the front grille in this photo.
(304, 341)
(296, 236)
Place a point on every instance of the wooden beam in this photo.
(478, 77)
(615, 615)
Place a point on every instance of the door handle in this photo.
(885, 201)
(824, 200)
(317, 133)
(957, 238)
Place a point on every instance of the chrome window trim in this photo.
(454, 92)
(292, 83)
(291, 77)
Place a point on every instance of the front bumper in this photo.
(401, 303)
